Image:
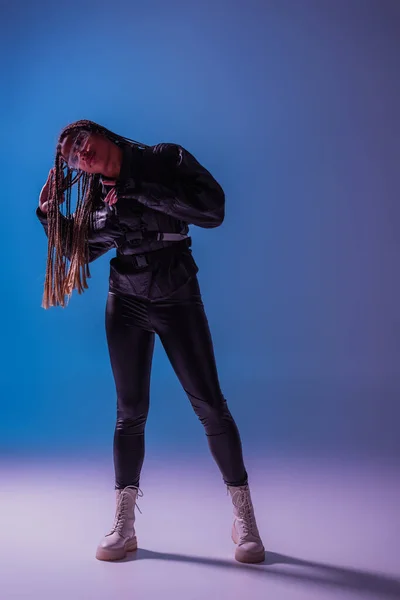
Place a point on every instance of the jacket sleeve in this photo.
(169, 179)
(102, 235)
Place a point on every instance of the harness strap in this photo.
(158, 236)
(145, 259)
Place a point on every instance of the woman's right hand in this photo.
(44, 194)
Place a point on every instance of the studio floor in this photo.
(330, 532)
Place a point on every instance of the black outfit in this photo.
(153, 289)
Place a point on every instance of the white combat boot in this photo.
(122, 537)
(245, 533)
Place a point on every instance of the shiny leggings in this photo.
(181, 323)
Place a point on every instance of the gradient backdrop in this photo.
(293, 105)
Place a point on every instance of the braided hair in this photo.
(64, 274)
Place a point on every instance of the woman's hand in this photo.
(44, 194)
(111, 197)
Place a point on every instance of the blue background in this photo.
(293, 105)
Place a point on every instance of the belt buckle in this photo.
(141, 261)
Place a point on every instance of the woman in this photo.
(140, 200)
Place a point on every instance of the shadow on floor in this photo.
(303, 571)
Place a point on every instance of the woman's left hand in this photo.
(111, 197)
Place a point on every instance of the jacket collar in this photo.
(125, 171)
(126, 165)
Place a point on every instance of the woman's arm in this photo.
(169, 179)
(102, 236)
(103, 232)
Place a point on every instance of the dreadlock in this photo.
(68, 234)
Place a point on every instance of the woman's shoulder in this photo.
(168, 153)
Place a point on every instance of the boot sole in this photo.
(248, 557)
(109, 554)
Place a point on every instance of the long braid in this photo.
(68, 234)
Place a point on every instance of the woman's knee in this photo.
(216, 417)
(131, 420)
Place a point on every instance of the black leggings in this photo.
(181, 323)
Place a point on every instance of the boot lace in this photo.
(121, 510)
(241, 500)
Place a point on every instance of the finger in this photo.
(111, 197)
(107, 199)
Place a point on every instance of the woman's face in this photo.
(89, 152)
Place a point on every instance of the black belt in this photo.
(141, 261)
(158, 236)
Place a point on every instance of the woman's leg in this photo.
(130, 341)
(183, 328)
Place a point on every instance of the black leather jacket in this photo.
(161, 188)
